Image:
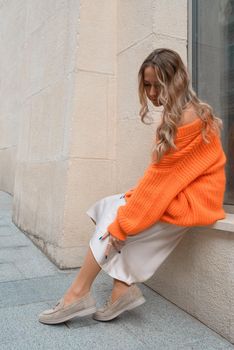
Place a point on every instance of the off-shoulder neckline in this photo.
(190, 128)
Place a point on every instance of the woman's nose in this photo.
(152, 91)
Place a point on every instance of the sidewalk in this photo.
(31, 283)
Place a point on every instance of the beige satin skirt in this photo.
(141, 254)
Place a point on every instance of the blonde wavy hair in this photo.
(175, 95)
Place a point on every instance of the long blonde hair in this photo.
(175, 96)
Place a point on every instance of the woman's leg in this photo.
(84, 279)
(119, 288)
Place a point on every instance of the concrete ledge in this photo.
(226, 224)
(198, 276)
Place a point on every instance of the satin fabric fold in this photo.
(141, 254)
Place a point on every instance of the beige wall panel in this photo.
(8, 122)
(11, 96)
(24, 131)
(112, 118)
(65, 258)
(35, 60)
(52, 100)
(170, 18)
(39, 12)
(134, 142)
(129, 62)
(93, 97)
(12, 36)
(7, 175)
(47, 123)
(38, 203)
(45, 53)
(97, 43)
(88, 181)
(135, 22)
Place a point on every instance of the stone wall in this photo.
(72, 128)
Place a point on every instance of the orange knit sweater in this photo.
(186, 188)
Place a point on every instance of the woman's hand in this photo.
(112, 243)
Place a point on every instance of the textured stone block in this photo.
(128, 64)
(8, 163)
(170, 18)
(134, 141)
(45, 53)
(38, 201)
(88, 181)
(46, 136)
(97, 36)
(93, 117)
(40, 12)
(198, 277)
(12, 26)
(135, 22)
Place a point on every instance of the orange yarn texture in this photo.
(186, 188)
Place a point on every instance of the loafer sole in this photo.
(80, 313)
(130, 306)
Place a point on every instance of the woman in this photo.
(183, 186)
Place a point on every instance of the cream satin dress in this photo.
(141, 254)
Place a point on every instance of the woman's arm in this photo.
(148, 202)
(158, 191)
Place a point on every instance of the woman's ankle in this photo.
(119, 289)
(77, 292)
(120, 285)
(70, 296)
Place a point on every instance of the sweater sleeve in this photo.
(147, 203)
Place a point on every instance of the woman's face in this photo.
(151, 85)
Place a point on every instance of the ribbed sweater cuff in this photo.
(116, 231)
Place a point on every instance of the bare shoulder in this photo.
(188, 116)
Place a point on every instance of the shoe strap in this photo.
(58, 303)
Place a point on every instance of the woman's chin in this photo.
(156, 104)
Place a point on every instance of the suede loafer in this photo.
(131, 299)
(60, 313)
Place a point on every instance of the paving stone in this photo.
(9, 272)
(14, 240)
(8, 229)
(17, 293)
(20, 255)
(26, 291)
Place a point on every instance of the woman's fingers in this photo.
(116, 246)
(108, 249)
(112, 243)
(106, 234)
